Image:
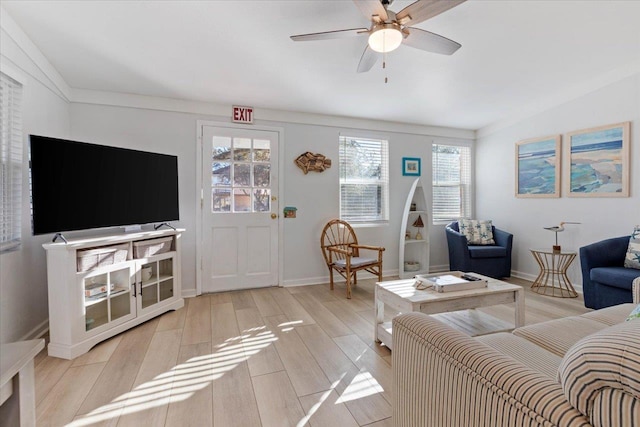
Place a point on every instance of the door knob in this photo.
(274, 216)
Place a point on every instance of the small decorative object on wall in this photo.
(411, 166)
(538, 167)
(418, 224)
(557, 229)
(290, 212)
(599, 161)
(312, 162)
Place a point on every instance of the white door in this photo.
(239, 208)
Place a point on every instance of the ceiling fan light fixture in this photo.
(385, 37)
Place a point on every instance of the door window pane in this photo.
(262, 200)
(261, 150)
(221, 148)
(242, 149)
(241, 200)
(242, 174)
(221, 174)
(221, 200)
(261, 175)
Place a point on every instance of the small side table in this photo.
(552, 279)
(17, 361)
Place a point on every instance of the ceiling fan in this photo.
(389, 29)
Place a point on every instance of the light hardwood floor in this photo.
(266, 357)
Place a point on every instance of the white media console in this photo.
(101, 286)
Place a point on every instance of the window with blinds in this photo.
(451, 182)
(11, 162)
(364, 180)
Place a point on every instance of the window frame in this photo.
(383, 182)
(11, 161)
(470, 186)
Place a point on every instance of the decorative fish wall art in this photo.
(309, 161)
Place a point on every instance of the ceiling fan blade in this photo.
(370, 8)
(422, 10)
(368, 60)
(424, 40)
(339, 34)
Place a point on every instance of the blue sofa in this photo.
(490, 260)
(605, 281)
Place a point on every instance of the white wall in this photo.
(315, 195)
(600, 217)
(23, 281)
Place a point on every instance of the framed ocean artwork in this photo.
(411, 166)
(538, 167)
(598, 161)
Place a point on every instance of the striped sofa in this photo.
(576, 371)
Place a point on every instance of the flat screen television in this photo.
(79, 186)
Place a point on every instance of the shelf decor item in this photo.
(147, 248)
(418, 224)
(411, 166)
(598, 162)
(557, 229)
(538, 167)
(411, 266)
(90, 258)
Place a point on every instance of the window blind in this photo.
(451, 182)
(364, 180)
(10, 162)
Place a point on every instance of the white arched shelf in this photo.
(414, 250)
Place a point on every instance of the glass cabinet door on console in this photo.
(108, 296)
(155, 280)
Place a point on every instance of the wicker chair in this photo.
(341, 252)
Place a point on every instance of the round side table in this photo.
(552, 279)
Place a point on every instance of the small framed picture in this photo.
(411, 166)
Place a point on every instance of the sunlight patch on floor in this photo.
(289, 326)
(184, 379)
(362, 385)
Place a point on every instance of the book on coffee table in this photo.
(451, 282)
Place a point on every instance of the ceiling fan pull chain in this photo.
(384, 56)
(384, 66)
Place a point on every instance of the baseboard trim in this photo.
(438, 268)
(189, 293)
(37, 332)
(320, 280)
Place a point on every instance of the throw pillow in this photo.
(477, 232)
(635, 314)
(632, 259)
(603, 360)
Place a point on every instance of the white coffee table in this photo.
(403, 297)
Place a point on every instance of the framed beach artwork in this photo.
(598, 161)
(538, 167)
(411, 166)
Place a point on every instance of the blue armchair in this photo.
(489, 260)
(605, 280)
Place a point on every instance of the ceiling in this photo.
(515, 54)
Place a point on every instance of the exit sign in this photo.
(242, 114)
